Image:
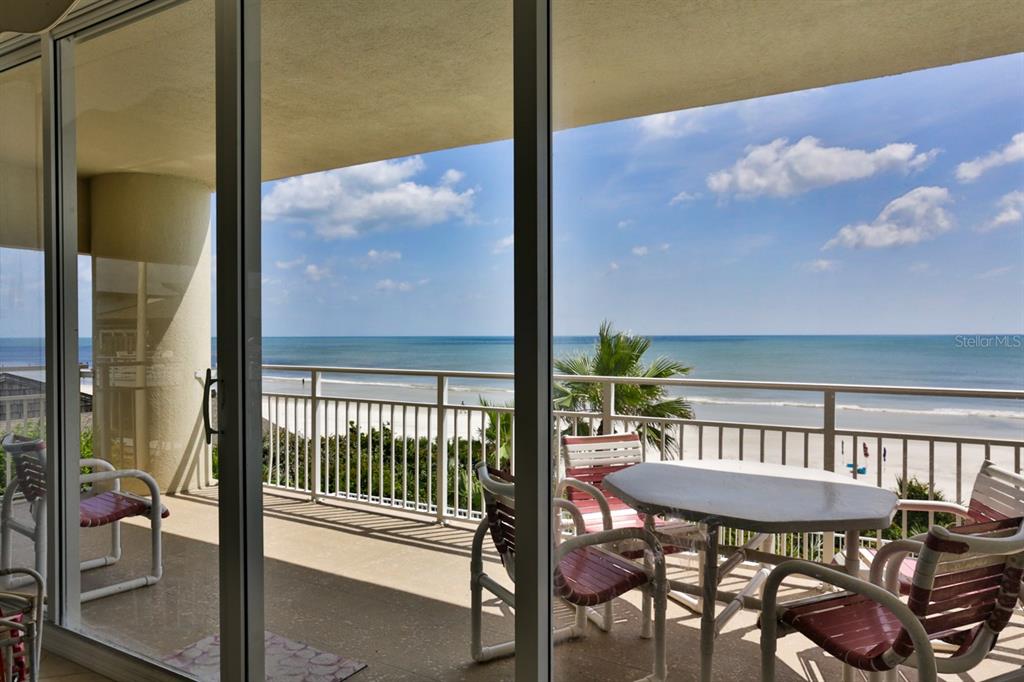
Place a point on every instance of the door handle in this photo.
(207, 422)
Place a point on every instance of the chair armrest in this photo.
(559, 504)
(933, 506)
(150, 483)
(985, 545)
(493, 486)
(97, 463)
(885, 567)
(604, 537)
(770, 612)
(593, 491)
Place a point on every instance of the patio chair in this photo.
(997, 494)
(586, 461)
(21, 628)
(98, 507)
(966, 582)
(585, 574)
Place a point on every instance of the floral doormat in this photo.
(286, 661)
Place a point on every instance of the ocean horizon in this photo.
(986, 361)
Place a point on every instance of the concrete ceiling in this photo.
(356, 81)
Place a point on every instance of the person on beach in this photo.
(866, 453)
(885, 455)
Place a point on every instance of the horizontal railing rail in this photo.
(354, 441)
(418, 454)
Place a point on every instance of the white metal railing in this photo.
(389, 452)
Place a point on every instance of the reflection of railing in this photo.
(389, 451)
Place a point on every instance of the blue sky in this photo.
(886, 206)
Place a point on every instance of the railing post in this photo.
(315, 435)
(830, 431)
(607, 407)
(829, 451)
(441, 463)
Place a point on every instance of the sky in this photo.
(888, 206)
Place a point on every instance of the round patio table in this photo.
(753, 496)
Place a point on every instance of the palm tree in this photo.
(621, 354)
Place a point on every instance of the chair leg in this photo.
(645, 611)
(476, 618)
(601, 616)
(769, 634)
(660, 606)
(5, 528)
(156, 567)
(115, 543)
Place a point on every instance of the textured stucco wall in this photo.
(151, 321)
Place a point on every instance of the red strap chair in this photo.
(586, 461)
(585, 574)
(97, 508)
(997, 494)
(965, 585)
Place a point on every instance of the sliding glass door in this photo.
(23, 410)
(139, 96)
(387, 306)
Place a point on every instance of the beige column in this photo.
(151, 284)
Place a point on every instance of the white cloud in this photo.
(994, 272)
(821, 265)
(289, 264)
(683, 198)
(452, 177)
(393, 285)
(346, 202)
(613, 266)
(915, 217)
(640, 250)
(375, 257)
(664, 247)
(316, 273)
(1011, 211)
(781, 169)
(919, 268)
(504, 244)
(969, 171)
(623, 224)
(672, 124)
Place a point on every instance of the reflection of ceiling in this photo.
(21, 156)
(360, 80)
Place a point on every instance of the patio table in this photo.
(752, 496)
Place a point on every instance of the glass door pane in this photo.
(144, 120)
(22, 308)
(387, 265)
(745, 205)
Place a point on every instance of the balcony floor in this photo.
(391, 589)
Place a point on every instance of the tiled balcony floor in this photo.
(392, 590)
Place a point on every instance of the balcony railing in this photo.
(350, 443)
(389, 452)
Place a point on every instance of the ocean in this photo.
(985, 361)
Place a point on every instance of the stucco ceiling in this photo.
(361, 80)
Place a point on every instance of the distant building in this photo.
(22, 398)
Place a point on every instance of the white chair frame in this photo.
(883, 588)
(103, 472)
(654, 591)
